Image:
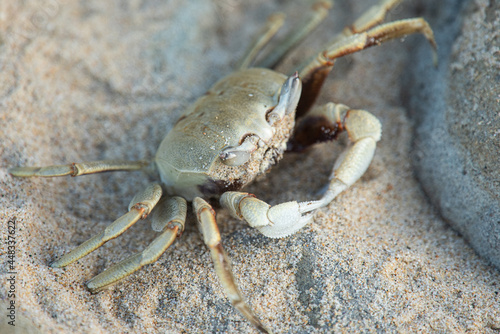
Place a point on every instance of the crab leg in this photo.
(77, 169)
(315, 72)
(169, 218)
(140, 206)
(274, 23)
(317, 13)
(325, 123)
(211, 236)
(130, 265)
(370, 18)
(284, 219)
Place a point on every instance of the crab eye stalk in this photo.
(238, 155)
(289, 96)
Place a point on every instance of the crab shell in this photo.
(234, 108)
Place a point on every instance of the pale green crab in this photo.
(237, 131)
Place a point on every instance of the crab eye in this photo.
(238, 155)
(289, 96)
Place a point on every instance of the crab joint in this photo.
(169, 214)
(146, 199)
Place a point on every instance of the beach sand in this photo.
(90, 81)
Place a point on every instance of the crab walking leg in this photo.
(317, 13)
(284, 219)
(370, 18)
(140, 206)
(211, 236)
(130, 265)
(77, 169)
(169, 218)
(314, 73)
(274, 23)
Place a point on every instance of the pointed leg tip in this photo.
(19, 171)
(435, 59)
(262, 328)
(93, 287)
(55, 264)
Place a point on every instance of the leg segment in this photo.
(314, 73)
(373, 16)
(140, 206)
(326, 122)
(317, 13)
(274, 23)
(77, 169)
(168, 218)
(211, 236)
(370, 18)
(281, 220)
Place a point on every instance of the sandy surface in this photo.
(91, 81)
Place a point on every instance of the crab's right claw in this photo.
(276, 221)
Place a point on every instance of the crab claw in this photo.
(286, 219)
(276, 221)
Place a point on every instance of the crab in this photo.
(237, 131)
